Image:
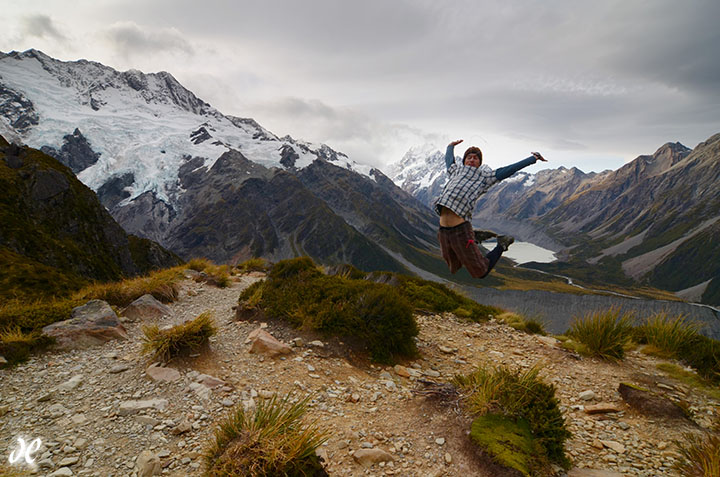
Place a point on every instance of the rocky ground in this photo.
(98, 411)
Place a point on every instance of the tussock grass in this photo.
(178, 340)
(520, 395)
(603, 334)
(29, 316)
(163, 285)
(531, 326)
(271, 440)
(253, 265)
(669, 336)
(699, 455)
(216, 275)
(16, 345)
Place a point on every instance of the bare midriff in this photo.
(448, 218)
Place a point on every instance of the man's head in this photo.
(472, 157)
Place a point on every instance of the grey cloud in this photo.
(365, 139)
(130, 39)
(41, 26)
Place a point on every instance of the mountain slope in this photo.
(56, 234)
(161, 161)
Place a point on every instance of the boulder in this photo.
(602, 408)
(91, 324)
(368, 457)
(649, 403)
(147, 307)
(160, 373)
(148, 464)
(133, 407)
(264, 343)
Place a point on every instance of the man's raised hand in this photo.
(455, 143)
(539, 157)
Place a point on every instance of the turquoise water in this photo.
(523, 252)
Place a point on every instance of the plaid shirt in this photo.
(464, 188)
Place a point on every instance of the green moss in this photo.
(635, 386)
(509, 442)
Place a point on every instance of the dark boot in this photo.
(505, 241)
(483, 235)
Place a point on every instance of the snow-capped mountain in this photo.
(420, 172)
(171, 168)
(146, 125)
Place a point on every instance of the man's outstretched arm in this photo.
(450, 153)
(507, 171)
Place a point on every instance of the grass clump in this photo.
(603, 334)
(178, 340)
(163, 285)
(678, 338)
(216, 275)
(272, 440)
(372, 315)
(699, 455)
(532, 326)
(16, 345)
(525, 400)
(668, 336)
(253, 265)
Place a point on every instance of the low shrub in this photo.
(426, 295)
(178, 340)
(271, 440)
(16, 345)
(699, 455)
(373, 315)
(520, 396)
(603, 334)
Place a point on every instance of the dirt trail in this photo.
(362, 404)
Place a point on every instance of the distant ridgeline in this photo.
(55, 234)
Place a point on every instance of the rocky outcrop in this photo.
(147, 307)
(52, 220)
(76, 152)
(91, 324)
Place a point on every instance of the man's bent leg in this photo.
(463, 243)
(448, 254)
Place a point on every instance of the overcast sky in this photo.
(591, 84)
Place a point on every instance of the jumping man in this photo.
(468, 181)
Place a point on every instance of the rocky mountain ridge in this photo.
(171, 168)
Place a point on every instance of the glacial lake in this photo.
(523, 252)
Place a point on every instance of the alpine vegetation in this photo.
(518, 420)
(270, 440)
(178, 340)
(373, 315)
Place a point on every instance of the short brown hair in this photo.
(473, 150)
